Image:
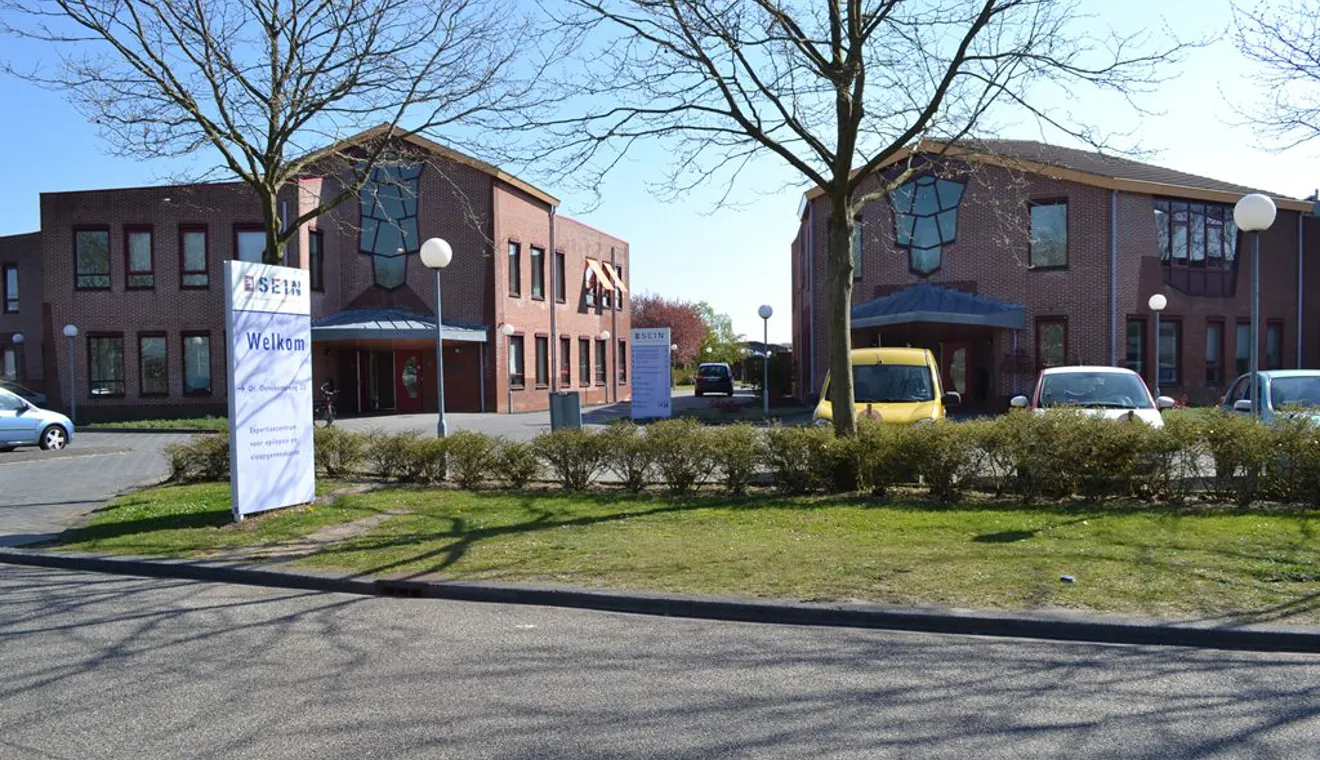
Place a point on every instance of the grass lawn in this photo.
(191, 423)
(1255, 564)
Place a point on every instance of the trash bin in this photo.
(565, 410)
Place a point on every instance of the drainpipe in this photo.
(553, 299)
(1301, 292)
(613, 379)
(1113, 277)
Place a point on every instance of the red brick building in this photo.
(139, 272)
(1021, 255)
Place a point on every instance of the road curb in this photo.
(1072, 628)
(162, 431)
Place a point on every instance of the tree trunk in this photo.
(840, 274)
(270, 216)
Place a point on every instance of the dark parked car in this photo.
(714, 378)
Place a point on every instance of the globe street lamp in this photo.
(766, 312)
(71, 332)
(673, 364)
(507, 330)
(18, 356)
(1254, 213)
(1157, 303)
(436, 255)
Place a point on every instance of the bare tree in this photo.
(269, 84)
(836, 89)
(1284, 39)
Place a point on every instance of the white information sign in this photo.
(651, 391)
(268, 321)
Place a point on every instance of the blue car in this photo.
(1284, 391)
(23, 424)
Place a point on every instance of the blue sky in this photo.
(735, 258)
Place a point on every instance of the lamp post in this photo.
(1157, 303)
(507, 330)
(766, 312)
(71, 332)
(1254, 213)
(18, 356)
(673, 365)
(605, 336)
(436, 255)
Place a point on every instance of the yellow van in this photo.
(900, 386)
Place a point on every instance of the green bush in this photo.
(1174, 456)
(1292, 472)
(575, 457)
(683, 453)
(1101, 457)
(425, 461)
(204, 458)
(1030, 445)
(516, 463)
(943, 455)
(795, 457)
(1242, 448)
(340, 452)
(389, 454)
(628, 454)
(471, 457)
(737, 451)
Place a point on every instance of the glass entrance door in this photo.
(408, 366)
(380, 381)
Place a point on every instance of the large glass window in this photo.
(1170, 359)
(538, 272)
(1274, 345)
(565, 366)
(1214, 352)
(197, 363)
(1198, 246)
(517, 369)
(1242, 348)
(9, 284)
(622, 360)
(584, 361)
(315, 261)
(153, 368)
(515, 268)
(92, 256)
(561, 287)
(140, 269)
(1049, 234)
(926, 219)
(387, 204)
(542, 361)
(105, 365)
(600, 362)
(249, 245)
(1135, 357)
(1051, 342)
(192, 251)
(9, 363)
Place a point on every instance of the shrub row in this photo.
(1028, 457)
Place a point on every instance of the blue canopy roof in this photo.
(390, 324)
(926, 302)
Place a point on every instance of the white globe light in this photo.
(1254, 212)
(673, 346)
(506, 329)
(18, 339)
(70, 331)
(765, 311)
(604, 334)
(436, 253)
(1157, 302)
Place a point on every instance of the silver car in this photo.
(23, 424)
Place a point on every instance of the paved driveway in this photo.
(43, 492)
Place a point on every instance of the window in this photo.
(1049, 234)
(926, 219)
(153, 371)
(10, 287)
(1243, 348)
(139, 262)
(600, 362)
(192, 258)
(92, 256)
(8, 363)
(1198, 246)
(1051, 342)
(249, 244)
(1274, 345)
(538, 272)
(561, 287)
(584, 361)
(517, 376)
(1214, 352)
(542, 361)
(622, 361)
(105, 364)
(618, 293)
(315, 261)
(857, 248)
(515, 269)
(1170, 359)
(197, 364)
(1135, 358)
(565, 367)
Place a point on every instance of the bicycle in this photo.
(326, 412)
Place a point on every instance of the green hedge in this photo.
(1028, 457)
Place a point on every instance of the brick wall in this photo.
(24, 251)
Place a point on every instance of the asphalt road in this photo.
(113, 667)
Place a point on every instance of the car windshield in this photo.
(1095, 390)
(10, 401)
(713, 371)
(1294, 391)
(889, 383)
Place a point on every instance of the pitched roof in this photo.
(928, 302)
(391, 324)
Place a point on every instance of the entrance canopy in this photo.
(925, 302)
(391, 324)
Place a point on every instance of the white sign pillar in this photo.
(269, 358)
(651, 391)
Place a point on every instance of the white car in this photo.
(1112, 392)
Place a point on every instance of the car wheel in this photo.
(6, 449)
(697, 394)
(54, 438)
